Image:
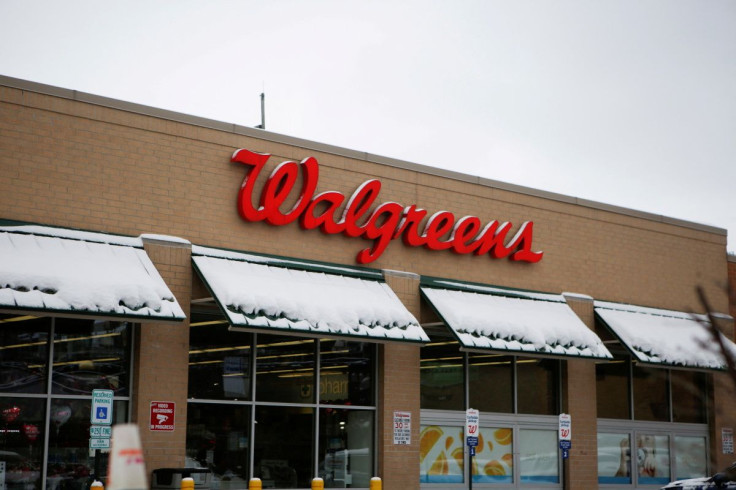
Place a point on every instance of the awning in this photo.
(663, 337)
(259, 293)
(485, 318)
(65, 272)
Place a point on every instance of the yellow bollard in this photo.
(376, 483)
(318, 484)
(255, 484)
(187, 483)
(97, 485)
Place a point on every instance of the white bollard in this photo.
(126, 469)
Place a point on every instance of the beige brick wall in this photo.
(398, 465)
(79, 165)
(162, 362)
(75, 164)
(581, 469)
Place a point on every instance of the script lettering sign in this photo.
(388, 221)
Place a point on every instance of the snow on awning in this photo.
(663, 337)
(487, 318)
(280, 296)
(77, 273)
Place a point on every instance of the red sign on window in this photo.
(162, 416)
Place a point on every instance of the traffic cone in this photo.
(126, 469)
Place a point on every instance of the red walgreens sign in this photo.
(162, 416)
(387, 222)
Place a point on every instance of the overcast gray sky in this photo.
(626, 102)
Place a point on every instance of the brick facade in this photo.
(80, 161)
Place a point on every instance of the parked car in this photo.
(723, 480)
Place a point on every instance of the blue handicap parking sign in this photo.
(101, 412)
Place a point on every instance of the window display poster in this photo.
(402, 427)
(727, 440)
(539, 459)
(690, 460)
(614, 458)
(494, 458)
(441, 454)
(653, 459)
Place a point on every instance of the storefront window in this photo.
(612, 389)
(441, 454)
(539, 378)
(650, 394)
(24, 354)
(89, 355)
(345, 448)
(688, 396)
(21, 441)
(539, 461)
(71, 464)
(285, 369)
(273, 426)
(218, 439)
(219, 362)
(495, 384)
(283, 446)
(494, 456)
(690, 457)
(497, 396)
(346, 373)
(442, 377)
(614, 458)
(653, 459)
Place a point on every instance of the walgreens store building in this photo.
(265, 306)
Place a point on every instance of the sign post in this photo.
(472, 419)
(565, 434)
(101, 419)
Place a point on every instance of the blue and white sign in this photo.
(101, 407)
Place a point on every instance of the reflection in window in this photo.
(346, 372)
(345, 448)
(283, 446)
(280, 444)
(690, 461)
(285, 369)
(650, 394)
(612, 389)
(70, 463)
(217, 439)
(441, 453)
(497, 396)
(538, 381)
(89, 355)
(21, 441)
(614, 458)
(219, 362)
(494, 456)
(442, 379)
(688, 396)
(23, 353)
(538, 453)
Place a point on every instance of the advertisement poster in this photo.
(539, 456)
(442, 455)
(614, 458)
